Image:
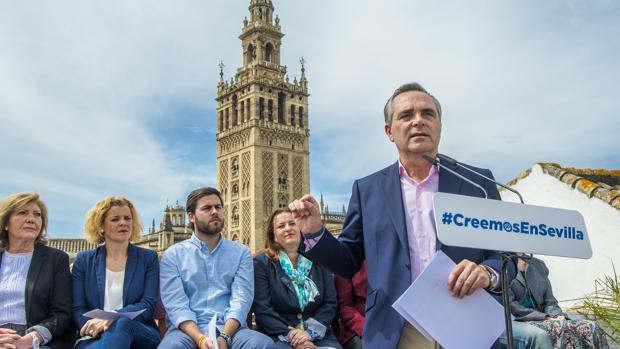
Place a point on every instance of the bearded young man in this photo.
(205, 276)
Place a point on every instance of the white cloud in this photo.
(84, 84)
(93, 96)
(520, 82)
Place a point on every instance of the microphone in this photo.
(455, 163)
(434, 161)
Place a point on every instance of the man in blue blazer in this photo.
(390, 224)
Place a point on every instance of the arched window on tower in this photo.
(283, 182)
(281, 107)
(270, 110)
(248, 104)
(227, 118)
(235, 192)
(251, 53)
(235, 216)
(221, 121)
(261, 108)
(292, 116)
(268, 52)
(234, 167)
(283, 203)
(301, 116)
(235, 111)
(242, 109)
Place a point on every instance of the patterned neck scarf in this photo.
(305, 288)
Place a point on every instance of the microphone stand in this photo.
(444, 167)
(505, 256)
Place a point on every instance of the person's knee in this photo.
(263, 342)
(281, 345)
(250, 339)
(539, 334)
(538, 338)
(121, 325)
(526, 336)
(172, 344)
(176, 339)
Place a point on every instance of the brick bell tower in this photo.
(262, 131)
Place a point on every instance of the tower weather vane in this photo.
(302, 61)
(221, 65)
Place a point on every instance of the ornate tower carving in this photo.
(262, 131)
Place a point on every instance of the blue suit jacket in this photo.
(374, 229)
(140, 286)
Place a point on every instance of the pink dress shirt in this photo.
(418, 205)
(419, 221)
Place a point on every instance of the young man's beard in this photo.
(209, 229)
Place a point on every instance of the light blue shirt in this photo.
(13, 273)
(196, 284)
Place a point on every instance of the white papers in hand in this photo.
(473, 322)
(212, 330)
(111, 315)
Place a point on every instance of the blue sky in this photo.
(117, 98)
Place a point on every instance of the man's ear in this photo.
(191, 216)
(388, 132)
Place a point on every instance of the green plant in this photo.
(603, 305)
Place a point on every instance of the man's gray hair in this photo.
(412, 86)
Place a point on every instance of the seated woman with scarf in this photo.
(294, 299)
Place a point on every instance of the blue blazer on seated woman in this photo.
(139, 289)
(116, 276)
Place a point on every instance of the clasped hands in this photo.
(94, 327)
(300, 339)
(9, 339)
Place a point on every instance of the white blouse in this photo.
(113, 298)
(13, 273)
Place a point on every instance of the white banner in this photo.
(467, 221)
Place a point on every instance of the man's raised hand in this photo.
(306, 213)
